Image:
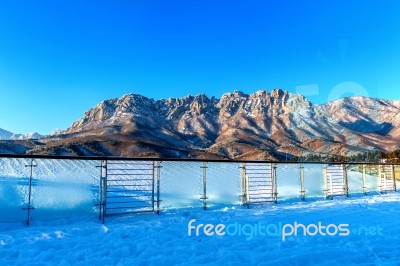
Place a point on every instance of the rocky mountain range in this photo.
(7, 135)
(263, 125)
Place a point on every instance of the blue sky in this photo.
(60, 58)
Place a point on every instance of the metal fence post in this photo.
(394, 178)
(104, 203)
(324, 169)
(302, 189)
(153, 186)
(346, 180)
(380, 179)
(158, 177)
(364, 186)
(204, 196)
(275, 183)
(246, 184)
(29, 208)
(103, 190)
(243, 194)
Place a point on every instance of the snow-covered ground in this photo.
(163, 239)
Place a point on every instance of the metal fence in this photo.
(40, 187)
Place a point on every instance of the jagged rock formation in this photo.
(263, 125)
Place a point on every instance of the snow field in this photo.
(163, 239)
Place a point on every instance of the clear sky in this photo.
(60, 58)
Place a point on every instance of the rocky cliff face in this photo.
(263, 125)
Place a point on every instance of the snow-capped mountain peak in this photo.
(7, 135)
(261, 125)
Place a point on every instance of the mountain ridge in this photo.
(262, 125)
(7, 135)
